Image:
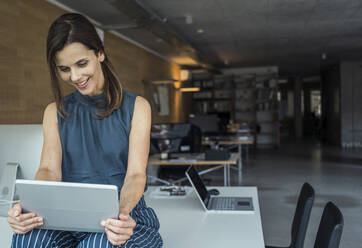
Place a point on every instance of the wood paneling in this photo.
(136, 66)
(25, 88)
(24, 78)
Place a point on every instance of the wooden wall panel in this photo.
(25, 88)
(135, 66)
(24, 78)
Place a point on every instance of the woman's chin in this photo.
(88, 92)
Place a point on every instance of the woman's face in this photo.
(81, 67)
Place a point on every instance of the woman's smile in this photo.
(82, 85)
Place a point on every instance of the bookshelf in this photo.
(247, 97)
(267, 112)
(215, 96)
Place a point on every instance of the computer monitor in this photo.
(175, 138)
(207, 123)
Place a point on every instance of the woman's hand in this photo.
(119, 231)
(22, 223)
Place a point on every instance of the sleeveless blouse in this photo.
(96, 151)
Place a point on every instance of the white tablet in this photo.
(69, 206)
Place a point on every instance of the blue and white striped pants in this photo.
(145, 235)
(40, 238)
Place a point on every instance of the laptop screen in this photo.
(197, 182)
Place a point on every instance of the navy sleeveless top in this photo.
(95, 150)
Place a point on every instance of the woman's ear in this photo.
(101, 56)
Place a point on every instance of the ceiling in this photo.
(298, 36)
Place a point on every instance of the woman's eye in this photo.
(64, 69)
(83, 64)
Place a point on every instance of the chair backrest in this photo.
(196, 136)
(301, 216)
(330, 228)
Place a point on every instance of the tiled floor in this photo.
(335, 174)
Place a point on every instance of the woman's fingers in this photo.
(24, 217)
(15, 210)
(120, 223)
(116, 239)
(119, 227)
(22, 229)
(23, 223)
(119, 231)
(38, 221)
(20, 218)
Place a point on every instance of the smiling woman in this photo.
(97, 134)
(80, 67)
(75, 54)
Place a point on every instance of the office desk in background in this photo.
(184, 223)
(197, 159)
(239, 140)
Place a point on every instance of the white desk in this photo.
(184, 223)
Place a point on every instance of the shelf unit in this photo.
(250, 99)
(244, 100)
(215, 95)
(267, 112)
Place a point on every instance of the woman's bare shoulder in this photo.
(142, 104)
(50, 113)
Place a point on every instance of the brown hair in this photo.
(70, 28)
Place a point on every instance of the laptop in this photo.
(69, 206)
(218, 204)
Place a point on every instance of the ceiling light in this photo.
(162, 81)
(188, 19)
(190, 89)
(200, 31)
(185, 75)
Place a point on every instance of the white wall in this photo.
(21, 144)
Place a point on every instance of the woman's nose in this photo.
(74, 75)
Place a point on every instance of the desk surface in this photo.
(184, 223)
(229, 140)
(194, 159)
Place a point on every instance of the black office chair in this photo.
(330, 228)
(301, 217)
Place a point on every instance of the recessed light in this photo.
(188, 19)
(200, 31)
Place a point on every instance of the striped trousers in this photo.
(145, 235)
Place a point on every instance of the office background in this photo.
(332, 163)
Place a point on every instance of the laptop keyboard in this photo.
(223, 203)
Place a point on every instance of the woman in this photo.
(97, 134)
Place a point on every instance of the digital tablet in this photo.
(69, 206)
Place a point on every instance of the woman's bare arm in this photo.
(49, 169)
(139, 144)
(51, 156)
(119, 231)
